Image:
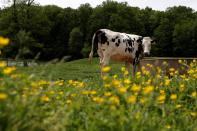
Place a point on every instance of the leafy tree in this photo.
(86, 50)
(75, 42)
(84, 13)
(184, 39)
(164, 32)
(26, 44)
(54, 32)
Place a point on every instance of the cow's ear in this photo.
(139, 40)
(153, 41)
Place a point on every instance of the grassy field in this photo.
(75, 70)
(72, 96)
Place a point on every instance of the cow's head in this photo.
(146, 43)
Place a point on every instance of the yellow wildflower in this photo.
(182, 87)
(148, 89)
(106, 69)
(180, 61)
(176, 72)
(43, 82)
(172, 69)
(149, 82)
(146, 72)
(8, 70)
(73, 95)
(70, 82)
(143, 68)
(126, 72)
(168, 126)
(45, 98)
(161, 98)
(123, 69)
(191, 71)
(51, 92)
(122, 89)
(116, 83)
(149, 65)
(4, 41)
(61, 92)
(14, 76)
(2, 64)
(162, 92)
(60, 82)
(161, 84)
(105, 78)
(107, 85)
(173, 97)
(143, 100)
(24, 95)
(3, 96)
(107, 94)
(193, 114)
(167, 82)
(98, 100)
(171, 73)
(68, 101)
(127, 81)
(137, 115)
(132, 99)
(85, 92)
(194, 94)
(183, 76)
(115, 76)
(165, 63)
(138, 75)
(178, 106)
(114, 100)
(93, 92)
(135, 88)
(158, 70)
(158, 76)
(81, 84)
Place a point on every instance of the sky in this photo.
(154, 4)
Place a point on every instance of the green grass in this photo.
(75, 70)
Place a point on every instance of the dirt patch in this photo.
(166, 63)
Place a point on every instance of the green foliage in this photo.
(75, 42)
(86, 50)
(185, 39)
(51, 27)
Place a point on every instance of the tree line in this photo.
(48, 32)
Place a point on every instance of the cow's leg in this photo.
(100, 54)
(127, 65)
(134, 69)
(139, 67)
(104, 62)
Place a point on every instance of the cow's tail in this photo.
(94, 42)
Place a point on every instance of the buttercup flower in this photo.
(132, 99)
(173, 97)
(3, 96)
(106, 69)
(4, 41)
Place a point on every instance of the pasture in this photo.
(72, 96)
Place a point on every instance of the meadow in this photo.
(73, 96)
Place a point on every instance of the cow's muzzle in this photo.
(146, 54)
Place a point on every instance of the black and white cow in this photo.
(120, 47)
